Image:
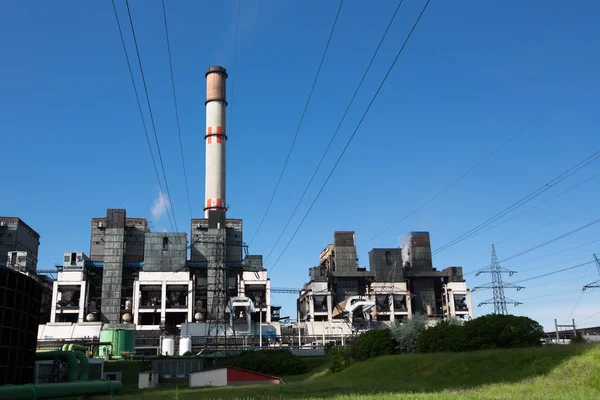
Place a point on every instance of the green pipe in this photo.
(77, 347)
(85, 365)
(64, 355)
(65, 389)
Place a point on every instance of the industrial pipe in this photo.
(85, 365)
(65, 389)
(68, 356)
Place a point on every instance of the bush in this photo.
(272, 362)
(578, 340)
(502, 331)
(340, 358)
(374, 343)
(445, 336)
(407, 333)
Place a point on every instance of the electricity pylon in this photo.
(597, 283)
(499, 301)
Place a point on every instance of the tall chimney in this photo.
(215, 139)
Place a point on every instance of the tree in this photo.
(407, 333)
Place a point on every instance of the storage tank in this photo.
(167, 347)
(20, 298)
(185, 345)
(125, 341)
(121, 341)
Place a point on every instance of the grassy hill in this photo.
(550, 372)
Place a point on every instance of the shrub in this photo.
(340, 358)
(445, 336)
(407, 333)
(578, 340)
(502, 331)
(372, 343)
(272, 362)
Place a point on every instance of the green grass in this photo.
(550, 372)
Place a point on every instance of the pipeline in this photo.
(79, 352)
(69, 356)
(65, 389)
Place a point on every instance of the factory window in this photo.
(73, 258)
(165, 243)
(388, 258)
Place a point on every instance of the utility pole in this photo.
(572, 325)
(499, 301)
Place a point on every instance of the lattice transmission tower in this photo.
(596, 284)
(498, 285)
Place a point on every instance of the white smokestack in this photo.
(215, 139)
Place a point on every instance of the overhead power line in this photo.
(336, 130)
(559, 252)
(235, 51)
(536, 206)
(477, 164)
(546, 242)
(137, 97)
(287, 159)
(549, 223)
(352, 136)
(521, 202)
(556, 272)
(187, 190)
(162, 165)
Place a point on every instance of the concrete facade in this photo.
(399, 282)
(17, 236)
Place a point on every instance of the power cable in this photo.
(336, 130)
(137, 50)
(300, 123)
(497, 149)
(553, 264)
(521, 202)
(353, 133)
(187, 190)
(137, 97)
(536, 206)
(235, 51)
(555, 272)
(548, 224)
(544, 243)
(558, 252)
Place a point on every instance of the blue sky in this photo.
(472, 75)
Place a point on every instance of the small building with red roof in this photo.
(230, 376)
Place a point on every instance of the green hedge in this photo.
(486, 332)
(373, 343)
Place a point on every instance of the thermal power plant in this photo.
(342, 298)
(175, 293)
(143, 282)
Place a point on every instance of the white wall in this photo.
(213, 377)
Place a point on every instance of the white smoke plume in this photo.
(160, 206)
(404, 241)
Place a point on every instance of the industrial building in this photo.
(176, 292)
(343, 298)
(19, 245)
(143, 281)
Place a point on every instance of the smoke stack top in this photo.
(216, 137)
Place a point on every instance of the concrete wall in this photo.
(213, 377)
(386, 264)
(16, 235)
(165, 251)
(112, 273)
